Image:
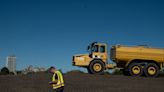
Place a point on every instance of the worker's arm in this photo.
(53, 82)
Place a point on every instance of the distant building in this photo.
(11, 63)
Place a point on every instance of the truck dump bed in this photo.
(127, 53)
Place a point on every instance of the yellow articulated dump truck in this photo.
(133, 60)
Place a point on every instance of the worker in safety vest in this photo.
(57, 80)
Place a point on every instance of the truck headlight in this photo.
(95, 56)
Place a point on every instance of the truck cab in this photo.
(95, 61)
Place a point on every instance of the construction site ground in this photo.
(80, 82)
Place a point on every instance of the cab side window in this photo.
(102, 49)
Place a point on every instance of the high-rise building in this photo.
(11, 63)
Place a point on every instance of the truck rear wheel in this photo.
(96, 67)
(151, 70)
(135, 69)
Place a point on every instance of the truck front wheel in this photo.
(135, 69)
(151, 70)
(96, 67)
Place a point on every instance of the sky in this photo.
(46, 33)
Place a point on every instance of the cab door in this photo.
(101, 52)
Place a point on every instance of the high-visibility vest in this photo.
(60, 81)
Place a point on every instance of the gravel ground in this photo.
(78, 82)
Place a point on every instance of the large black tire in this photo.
(151, 70)
(96, 67)
(135, 69)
